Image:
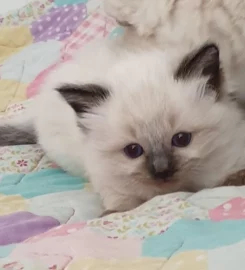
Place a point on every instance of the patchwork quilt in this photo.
(48, 219)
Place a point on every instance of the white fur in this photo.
(187, 24)
(144, 101)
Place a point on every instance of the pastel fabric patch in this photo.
(116, 33)
(11, 91)
(12, 204)
(231, 210)
(6, 250)
(19, 159)
(59, 23)
(191, 260)
(53, 180)
(37, 262)
(81, 243)
(34, 87)
(17, 227)
(57, 232)
(113, 264)
(61, 3)
(27, 14)
(27, 64)
(186, 235)
(13, 40)
(97, 25)
(227, 257)
(71, 208)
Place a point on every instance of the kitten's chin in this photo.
(156, 187)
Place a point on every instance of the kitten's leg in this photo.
(18, 130)
(114, 202)
(108, 212)
(58, 132)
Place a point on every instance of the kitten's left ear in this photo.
(83, 98)
(203, 62)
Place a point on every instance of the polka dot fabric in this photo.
(98, 25)
(59, 23)
(231, 210)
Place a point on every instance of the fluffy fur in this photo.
(151, 96)
(187, 23)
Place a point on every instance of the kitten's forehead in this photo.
(150, 76)
(149, 91)
(148, 101)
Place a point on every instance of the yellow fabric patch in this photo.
(12, 40)
(139, 264)
(11, 92)
(11, 204)
(188, 260)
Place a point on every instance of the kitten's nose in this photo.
(161, 166)
(164, 175)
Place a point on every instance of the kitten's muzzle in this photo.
(161, 168)
(162, 175)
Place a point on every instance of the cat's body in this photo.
(138, 124)
(187, 24)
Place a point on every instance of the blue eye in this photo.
(182, 139)
(134, 150)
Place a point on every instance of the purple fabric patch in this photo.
(59, 23)
(18, 227)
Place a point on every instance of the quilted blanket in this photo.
(48, 219)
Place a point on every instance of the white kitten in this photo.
(138, 124)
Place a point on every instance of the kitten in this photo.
(137, 124)
(187, 23)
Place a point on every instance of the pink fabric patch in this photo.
(231, 210)
(58, 231)
(95, 26)
(81, 244)
(34, 87)
(52, 262)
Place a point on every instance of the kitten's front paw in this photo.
(121, 10)
(118, 204)
(142, 15)
(108, 212)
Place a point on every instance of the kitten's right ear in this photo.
(82, 98)
(204, 61)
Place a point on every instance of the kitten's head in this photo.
(153, 128)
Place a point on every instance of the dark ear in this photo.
(82, 98)
(203, 62)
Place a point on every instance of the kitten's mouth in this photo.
(167, 180)
(165, 176)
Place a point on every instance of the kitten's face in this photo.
(160, 131)
(171, 145)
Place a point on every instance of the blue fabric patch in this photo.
(25, 65)
(116, 32)
(60, 3)
(187, 235)
(40, 183)
(6, 250)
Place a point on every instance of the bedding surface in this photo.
(48, 219)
